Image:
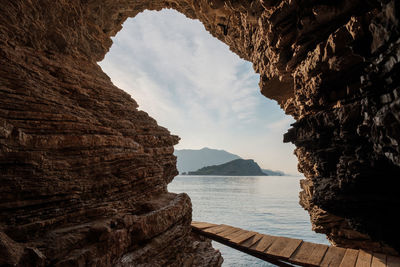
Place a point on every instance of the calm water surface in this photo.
(265, 204)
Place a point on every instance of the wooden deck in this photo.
(284, 251)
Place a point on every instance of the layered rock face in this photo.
(347, 105)
(84, 173)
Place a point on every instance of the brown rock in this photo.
(10, 251)
(84, 173)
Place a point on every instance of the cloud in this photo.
(192, 84)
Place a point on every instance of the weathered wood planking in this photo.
(283, 247)
(243, 237)
(203, 225)
(251, 241)
(279, 250)
(216, 229)
(364, 259)
(265, 242)
(229, 232)
(309, 253)
(235, 234)
(350, 258)
(333, 257)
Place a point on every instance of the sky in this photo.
(192, 84)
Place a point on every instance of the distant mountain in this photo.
(191, 159)
(273, 173)
(237, 167)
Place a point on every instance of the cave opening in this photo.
(193, 85)
(84, 173)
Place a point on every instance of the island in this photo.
(194, 159)
(237, 167)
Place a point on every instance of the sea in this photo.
(265, 204)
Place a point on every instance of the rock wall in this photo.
(347, 105)
(84, 173)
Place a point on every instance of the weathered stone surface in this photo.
(84, 173)
(347, 133)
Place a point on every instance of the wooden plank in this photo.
(317, 254)
(251, 241)
(235, 234)
(225, 229)
(265, 242)
(364, 259)
(378, 260)
(333, 257)
(294, 250)
(309, 253)
(283, 247)
(393, 261)
(350, 258)
(228, 232)
(203, 225)
(243, 237)
(216, 229)
(302, 253)
(212, 227)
